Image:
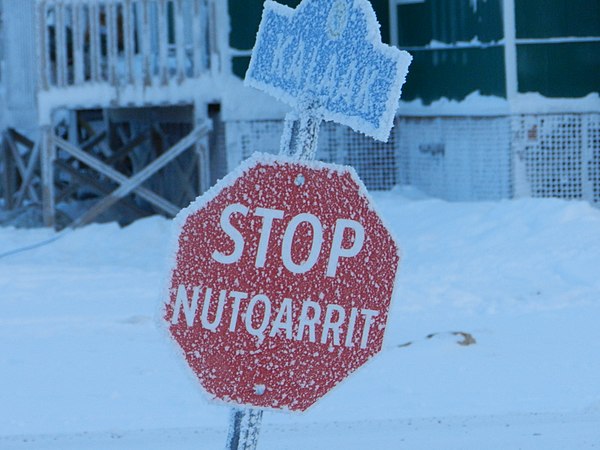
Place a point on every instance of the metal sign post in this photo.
(244, 428)
(301, 127)
(299, 140)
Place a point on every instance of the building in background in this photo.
(124, 108)
(502, 99)
(107, 106)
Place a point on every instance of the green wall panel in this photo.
(559, 70)
(449, 21)
(414, 25)
(245, 16)
(554, 70)
(239, 65)
(383, 17)
(455, 73)
(557, 18)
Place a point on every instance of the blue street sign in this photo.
(329, 54)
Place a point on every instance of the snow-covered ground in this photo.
(82, 365)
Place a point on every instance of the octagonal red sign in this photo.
(281, 282)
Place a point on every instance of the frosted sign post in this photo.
(283, 272)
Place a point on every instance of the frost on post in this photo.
(329, 53)
(279, 291)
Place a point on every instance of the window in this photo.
(456, 46)
(558, 47)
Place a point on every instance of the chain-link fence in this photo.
(456, 158)
(558, 155)
(375, 162)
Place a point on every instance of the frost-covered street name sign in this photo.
(329, 54)
(279, 289)
(283, 272)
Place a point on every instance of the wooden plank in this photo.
(146, 43)
(113, 174)
(48, 155)
(163, 42)
(128, 37)
(27, 180)
(60, 45)
(95, 53)
(180, 41)
(198, 31)
(141, 176)
(21, 139)
(186, 175)
(213, 40)
(44, 82)
(27, 171)
(82, 180)
(134, 183)
(126, 149)
(9, 178)
(203, 166)
(112, 42)
(93, 141)
(17, 158)
(20, 164)
(183, 175)
(95, 185)
(78, 44)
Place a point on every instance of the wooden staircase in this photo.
(123, 92)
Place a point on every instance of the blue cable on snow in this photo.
(36, 245)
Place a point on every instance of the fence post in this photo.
(9, 181)
(42, 51)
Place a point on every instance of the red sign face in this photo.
(282, 282)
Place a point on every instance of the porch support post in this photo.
(48, 155)
(9, 181)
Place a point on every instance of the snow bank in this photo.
(79, 351)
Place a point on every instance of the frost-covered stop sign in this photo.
(281, 282)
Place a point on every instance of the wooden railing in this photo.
(123, 42)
